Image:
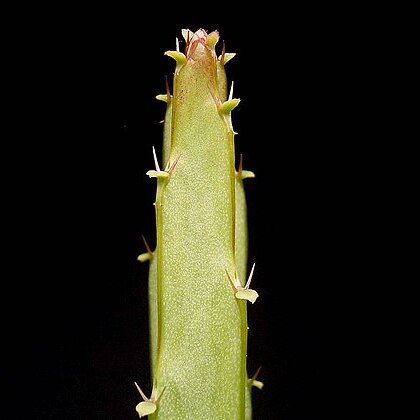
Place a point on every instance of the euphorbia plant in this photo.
(198, 283)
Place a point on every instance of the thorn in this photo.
(186, 34)
(250, 277)
(155, 159)
(243, 174)
(168, 90)
(165, 97)
(254, 376)
(241, 161)
(146, 245)
(229, 105)
(222, 56)
(173, 164)
(188, 39)
(231, 282)
(160, 396)
(231, 92)
(177, 43)
(141, 392)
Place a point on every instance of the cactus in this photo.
(198, 291)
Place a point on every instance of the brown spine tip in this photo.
(146, 245)
(172, 166)
(255, 375)
(222, 56)
(241, 166)
(168, 90)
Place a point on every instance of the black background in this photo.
(81, 144)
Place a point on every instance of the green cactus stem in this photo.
(198, 295)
